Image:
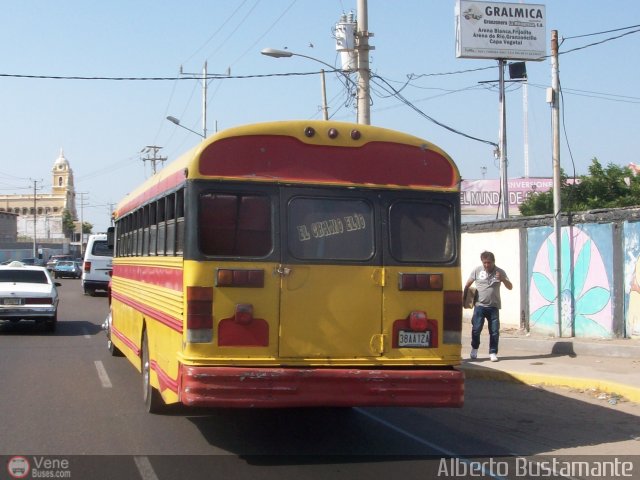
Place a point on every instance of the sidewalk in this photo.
(610, 366)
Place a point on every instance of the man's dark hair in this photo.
(487, 256)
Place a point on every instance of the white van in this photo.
(96, 267)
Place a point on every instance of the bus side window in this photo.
(180, 222)
(162, 226)
(171, 224)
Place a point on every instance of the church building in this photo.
(44, 212)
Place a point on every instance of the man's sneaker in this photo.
(474, 354)
(493, 357)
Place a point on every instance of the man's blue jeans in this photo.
(492, 314)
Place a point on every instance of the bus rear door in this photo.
(331, 296)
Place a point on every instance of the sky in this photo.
(103, 124)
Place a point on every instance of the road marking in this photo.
(421, 440)
(102, 374)
(145, 469)
(86, 332)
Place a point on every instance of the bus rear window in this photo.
(421, 232)
(236, 225)
(321, 228)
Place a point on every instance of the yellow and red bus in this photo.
(295, 263)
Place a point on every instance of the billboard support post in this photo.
(504, 185)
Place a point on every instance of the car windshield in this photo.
(23, 276)
(65, 264)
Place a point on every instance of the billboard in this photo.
(506, 31)
(482, 197)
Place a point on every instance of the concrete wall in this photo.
(599, 265)
(505, 246)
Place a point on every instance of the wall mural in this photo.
(632, 278)
(586, 263)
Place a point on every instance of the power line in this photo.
(600, 33)
(160, 79)
(399, 96)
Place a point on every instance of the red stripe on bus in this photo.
(150, 312)
(170, 278)
(280, 158)
(155, 190)
(166, 382)
(124, 339)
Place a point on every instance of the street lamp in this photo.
(272, 52)
(177, 122)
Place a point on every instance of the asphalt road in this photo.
(63, 397)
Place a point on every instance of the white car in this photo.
(28, 293)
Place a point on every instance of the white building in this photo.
(44, 212)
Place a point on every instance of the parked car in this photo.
(33, 261)
(28, 293)
(51, 264)
(67, 268)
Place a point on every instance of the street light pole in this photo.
(175, 121)
(325, 108)
(272, 52)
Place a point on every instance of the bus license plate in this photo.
(414, 339)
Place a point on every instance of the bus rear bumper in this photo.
(312, 387)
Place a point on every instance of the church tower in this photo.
(62, 183)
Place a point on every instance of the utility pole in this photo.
(205, 79)
(525, 115)
(35, 213)
(555, 127)
(152, 156)
(82, 194)
(362, 47)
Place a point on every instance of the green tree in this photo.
(87, 227)
(610, 187)
(68, 227)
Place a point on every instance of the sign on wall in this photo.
(482, 197)
(508, 31)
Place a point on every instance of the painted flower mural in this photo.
(585, 290)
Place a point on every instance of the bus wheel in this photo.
(113, 350)
(152, 399)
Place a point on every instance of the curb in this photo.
(629, 393)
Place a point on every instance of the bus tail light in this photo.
(452, 317)
(420, 281)
(227, 277)
(199, 314)
(244, 313)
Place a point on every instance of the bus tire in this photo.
(113, 350)
(152, 399)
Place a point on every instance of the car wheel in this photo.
(51, 323)
(152, 399)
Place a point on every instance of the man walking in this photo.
(488, 278)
